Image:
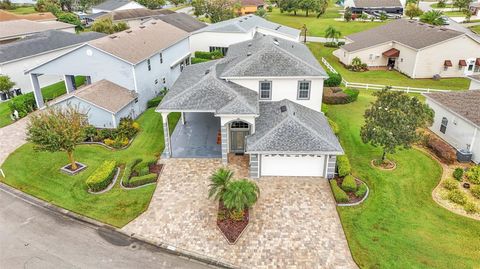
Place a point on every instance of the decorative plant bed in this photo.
(385, 165)
(67, 169)
(107, 146)
(231, 229)
(136, 177)
(354, 197)
(110, 186)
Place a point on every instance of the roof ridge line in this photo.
(269, 131)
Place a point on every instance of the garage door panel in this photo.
(277, 165)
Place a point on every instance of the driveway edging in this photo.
(97, 224)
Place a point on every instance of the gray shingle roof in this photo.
(199, 89)
(246, 23)
(297, 130)
(183, 21)
(112, 4)
(270, 57)
(377, 3)
(43, 42)
(135, 13)
(408, 32)
(475, 77)
(464, 103)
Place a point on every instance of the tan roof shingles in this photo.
(464, 103)
(410, 33)
(104, 94)
(137, 44)
(25, 27)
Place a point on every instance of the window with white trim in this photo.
(239, 125)
(303, 90)
(149, 65)
(443, 126)
(161, 58)
(265, 90)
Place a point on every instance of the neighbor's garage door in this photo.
(292, 165)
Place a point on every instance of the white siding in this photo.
(292, 165)
(131, 5)
(474, 85)
(96, 116)
(204, 40)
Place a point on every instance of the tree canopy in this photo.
(316, 6)
(152, 4)
(6, 84)
(216, 10)
(107, 26)
(412, 10)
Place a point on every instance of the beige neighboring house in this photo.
(13, 30)
(134, 17)
(413, 48)
(474, 82)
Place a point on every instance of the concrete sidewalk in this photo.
(13, 136)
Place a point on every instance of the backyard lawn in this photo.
(37, 173)
(392, 78)
(317, 27)
(49, 93)
(399, 225)
(23, 10)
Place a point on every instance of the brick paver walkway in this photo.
(294, 223)
(12, 137)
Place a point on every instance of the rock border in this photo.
(384, 169)
(73, 173)
(110, 186)
(358, 202)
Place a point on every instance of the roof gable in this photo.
(113, 4)
(464, 103)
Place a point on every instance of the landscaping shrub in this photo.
(457, 196)
(352, 94)
(334, 80)
(335, 96)
(154, 102)
(198, 60)
(473, 174)
(126, 128)
(24, 104)
(470, 208)
(450, 184)
(141, 180)
(331, 44)
(340, 43)
(143, 168)
(458, 173)
(349, 183)
(208, 55)
(324, 109)
(475, 190)
(362, 190)
(443, 151)
(102, 176)
(334, 126)
(344, 167)
(129, 168)
(339, 194)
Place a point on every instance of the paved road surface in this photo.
(33, 237)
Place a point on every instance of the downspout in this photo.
(473, 139)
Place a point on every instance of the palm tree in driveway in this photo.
(332, 33)
(433, 17)
(219, 183)
(240, 195)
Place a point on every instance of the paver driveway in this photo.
(13, 136)
(294, 223)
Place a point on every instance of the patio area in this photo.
(294, 223)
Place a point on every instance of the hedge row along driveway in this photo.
(37, 173)
(399, 225)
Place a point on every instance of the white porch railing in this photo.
(368, 86)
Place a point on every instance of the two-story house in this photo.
(136, 60)
(263, 99)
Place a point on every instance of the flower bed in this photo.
(139, 173)
(231, 228)
(118, 138)
(348, 196)
(385, 164)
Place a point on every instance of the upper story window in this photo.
(265, 90)
(149, 65)
(443, 126)
(239, 125)
(303, 90)
(161, 58)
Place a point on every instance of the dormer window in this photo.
(265, 91)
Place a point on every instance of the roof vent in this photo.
(113, 36)
(249, 44)
(207, 71)
(275, 41)
(142, 26)
(249, 53)
(128, 31)
(154, 22)
(278, 27)
(283, 109)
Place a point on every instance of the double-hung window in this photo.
(149, 65)
(303, 90)
(161, 58)
(443, 125)
(265, 90)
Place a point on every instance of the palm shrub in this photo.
(240, 195)
(219, 183)
(433, 17)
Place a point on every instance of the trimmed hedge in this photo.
(334, 80)
(143, 167)
(473, 174)
(470, 208)
(443, 151)
(142, 170)
(336, 96)
(349, 183)
(352, 94)
(362, 190)
(334, 126)
(339, 194)
(343, 164)
(208, 55)
(102, 176)
(141, 180)
(458, 173)
(198, 60)
(154, 102)
(24, 104)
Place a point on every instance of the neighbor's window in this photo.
(149, 65)
(265, 90)
(161, 58)
(303, 90)
(443, 126)
(370, 56)
(164, 80)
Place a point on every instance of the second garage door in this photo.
(292, 165)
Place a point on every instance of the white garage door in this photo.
(292, 165)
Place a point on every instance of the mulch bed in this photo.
(230, 228)
(156, 168)
(352, 198)
(386, 165)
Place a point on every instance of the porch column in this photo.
(223, 130)
(37, 91)
(183, 118)
(88, 80)
(166, 134)
(69, 83)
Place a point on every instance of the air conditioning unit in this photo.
(464, 156)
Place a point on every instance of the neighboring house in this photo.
(89, 19)
(250, 6)
(133, 17)
(105, 103)
(143, 59)
(14, 30)
(475, 8)
(415, 49)
(266, 94)
(370, 6)
(44, 16)
(220, 35)
(24, 2)
(474, 82)
(457, 119)
(115, 5)
(183, 21)
(18, 56)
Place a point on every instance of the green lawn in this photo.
(317, 27)
(23, 10)
(392, 78)
(49, 93)
(37, 173)
(476, 29)
(454, 13)
(178, 7)
(446, 6)
(399, 225)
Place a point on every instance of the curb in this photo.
(99, 225)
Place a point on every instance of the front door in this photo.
(238, 141)
(391, 63)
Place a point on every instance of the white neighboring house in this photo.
(16, 29)
(266, 95)
(18, 56)
(474, 82)
(219, 36)
(475, 8)
(114, 5)
(135, 59)
(415, 49)
(457, 119)
(369, 6)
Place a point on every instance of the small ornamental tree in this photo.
(58, 129)
(152, 4)
(6, 85)
(240, 195)
(347, 15)
(333, 33)
(393, 119)
(412, 10)
(433, 17)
